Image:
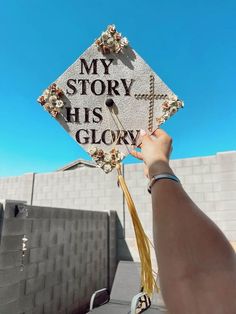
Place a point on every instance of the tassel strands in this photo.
(147, 278)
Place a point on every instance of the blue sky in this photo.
(190, 44)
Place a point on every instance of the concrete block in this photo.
(22, 288)
(195, 178)
(48, 308)
(228, 215)
(10, 259)
(216, 186)
(13, 226)
(26, 302)
(30, 270)
(53, 236)
(37, 254)
(203, 187)
(202, 169)
(34, 239)
(226, 205)
(215, 168)
(226, 176)
(211, 196)
(50, 265)
(184, 171)
(209, 160)
(186, 162)
(10, 276)
(9, 293)
(56, 250)
(228, 166)
(41, 268)
(38, 309)
(8, 308)
(41, 225)
(28, 226)
(212, 178)
(53, 278)
(43, 296)
(229, 185)
(226, 195)
(11, 243)
(176, 163)
(226, 157)
(35, 284)
(44, 239)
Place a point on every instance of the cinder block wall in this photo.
(17, 188)
(210, 182)
(70, 254)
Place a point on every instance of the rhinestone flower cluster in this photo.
(111, 41)
(51, 100)
(106, 161)
(169, 108)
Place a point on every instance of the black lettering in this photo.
(88, 68)
(84, 87)
(85, 138)
(75, 114)
(103, 87)
(97, 114)
(121, 137)
(72, 87)
(112, 88)
(86, 115)
(94, 141)
(104, 137)
(126, 87)
(106, 66)
(133, 139)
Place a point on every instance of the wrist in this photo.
(159, 167)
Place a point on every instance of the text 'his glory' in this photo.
(84, 115)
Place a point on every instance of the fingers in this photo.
(136, 154)
(144, 136)
(159, 132)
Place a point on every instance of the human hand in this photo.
(155, 152)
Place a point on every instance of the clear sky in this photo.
(190, 44)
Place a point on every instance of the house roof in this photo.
(79, 163)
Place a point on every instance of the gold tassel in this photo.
(148, 281)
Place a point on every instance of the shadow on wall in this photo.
(122, 249)
(68, 257)
(1, 220)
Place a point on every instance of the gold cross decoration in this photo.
(151, 97)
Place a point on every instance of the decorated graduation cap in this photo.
(103, 100)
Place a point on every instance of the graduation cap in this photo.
(103, 100)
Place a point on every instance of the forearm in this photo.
(193, 254)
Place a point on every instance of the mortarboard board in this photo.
(103, 100)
